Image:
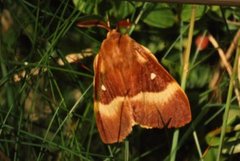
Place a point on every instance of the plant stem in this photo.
(228, 103)
(138, 18)
(183, 80)
(186, 55)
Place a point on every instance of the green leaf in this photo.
(122, 9)
(199, 77)
(87, 7)
(187, 11)
(161, 16)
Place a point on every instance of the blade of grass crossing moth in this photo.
(183, 80)
(228, 102)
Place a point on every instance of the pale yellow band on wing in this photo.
(162, 97)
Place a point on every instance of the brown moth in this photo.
(132, 88)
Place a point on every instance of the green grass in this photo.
(49, 115)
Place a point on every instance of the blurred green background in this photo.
(46, 91)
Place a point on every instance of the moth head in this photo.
(123, 26)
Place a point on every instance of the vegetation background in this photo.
(46, 92)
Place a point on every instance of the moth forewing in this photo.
(131, 87)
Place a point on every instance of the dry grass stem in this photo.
(224, 59)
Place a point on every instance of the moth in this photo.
(132, 88)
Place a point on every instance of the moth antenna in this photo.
(93, 23)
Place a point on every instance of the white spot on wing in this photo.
(153, 76)
(103, 88)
